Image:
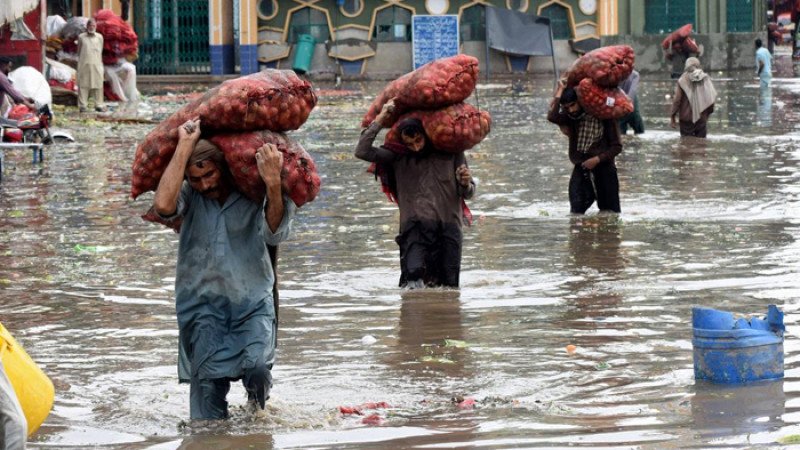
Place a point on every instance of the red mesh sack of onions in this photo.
(452, 129)
(439, 83)
(690, 46)
(677, 36)
(119, 39)
(299, 178)
(274, 100)
(607, 66)
(602, 102)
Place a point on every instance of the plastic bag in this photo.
(60, 71)
(121, 81)
(31, 83)
(69, 34)
(54, 25)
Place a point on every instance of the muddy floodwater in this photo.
(87, 287)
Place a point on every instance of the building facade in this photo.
(373, 37)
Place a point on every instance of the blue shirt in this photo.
(223, 285)
(763, 56)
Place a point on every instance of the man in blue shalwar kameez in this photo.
(224, 281)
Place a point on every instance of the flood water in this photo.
(87, 287)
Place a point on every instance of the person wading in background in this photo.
(694, 100)
(429, 187)
(631, 88)
(224, 283)
(763, 64)
(90, 68)
(593, 146)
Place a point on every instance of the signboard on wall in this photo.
(434, 37)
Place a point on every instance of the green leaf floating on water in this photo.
(791, 439)
(433, 359)
(16, 213)
(92, 248)
(455, 343)
(602, 366)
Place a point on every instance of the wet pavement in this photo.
(86, 286)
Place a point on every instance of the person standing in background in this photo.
(763, 64)
(90, 68)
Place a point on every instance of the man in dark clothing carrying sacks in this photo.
(593, 145)
(429, 187)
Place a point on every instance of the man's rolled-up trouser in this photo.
(13, 425)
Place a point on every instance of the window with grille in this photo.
(352, 7)
(740, 15)
(173, 36)
(559, 21)
(267, 9)
(309, 21)
(666, 16)
(473, 24)
(392, 24)
(517, 5)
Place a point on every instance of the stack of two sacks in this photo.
(434, 94)
(596, 77)
(239, 117)
(680, 41)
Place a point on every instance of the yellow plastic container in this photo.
(34, 390)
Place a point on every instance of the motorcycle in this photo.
(26, 128)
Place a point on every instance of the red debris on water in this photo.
(374, 405)
(358, 410)
(372, 419)
(350, 410)
(467, 403)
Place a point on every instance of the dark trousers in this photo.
(600, 184)
(207, 397)
(430, 252)
(697, 129)
(633, 119)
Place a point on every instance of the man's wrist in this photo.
(273, 186)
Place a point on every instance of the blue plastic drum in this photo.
(731, 351)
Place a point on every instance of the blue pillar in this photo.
(248, 58)
(221, 59)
